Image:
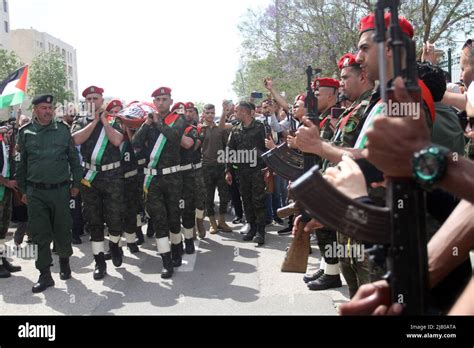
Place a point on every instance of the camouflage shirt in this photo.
(146, 138)
(247, 142)
(192, 155)
(111, 153)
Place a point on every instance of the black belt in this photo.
(41, 186)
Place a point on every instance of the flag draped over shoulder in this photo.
(13, 88)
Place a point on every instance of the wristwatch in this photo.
(429, 165)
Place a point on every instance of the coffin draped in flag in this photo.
(136, 113)
(13, 88)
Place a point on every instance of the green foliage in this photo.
(9, 62)
(286, 37)
(48, 75)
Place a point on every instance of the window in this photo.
(5, 6)
(71, 84)
(6, 27)
(69, 68)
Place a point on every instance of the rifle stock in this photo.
(296, 260)
(291, 209)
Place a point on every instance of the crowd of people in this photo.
(113, 171)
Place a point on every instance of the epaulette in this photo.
(25, 125)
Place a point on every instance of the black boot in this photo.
(140, 237)
(100, 266)
(64, 268)
(189, 246)
(133, 247)
(9, 267)
(45, 281)
(260, 237)
(325, 282)
(176, 254)
(4, 273)
(167, 271)
(117, 254)
(150, 232)
(311, 277)
(251, 233)
(76, 240)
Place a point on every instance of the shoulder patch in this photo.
(351, 124)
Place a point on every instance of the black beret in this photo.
(42, 98)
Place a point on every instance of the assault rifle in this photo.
(399, 229)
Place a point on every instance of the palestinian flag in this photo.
(13, 88)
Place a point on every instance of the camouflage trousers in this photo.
(199, 190)
(214, 176)
(162, 204)
(132, 191)
(252, 189)
(5, 213)
(188, 214)
(327, 239)
(103, 203)
(356, 266)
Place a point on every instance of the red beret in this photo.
(300, 97)
(113, 103)
(368, 23)
(189, 105)
(177, 106)
(325, 82)
(92, 90)
(347, 60)
(161, 91)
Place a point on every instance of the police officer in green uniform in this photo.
(100, 137)
(47, 158)
(247, 140)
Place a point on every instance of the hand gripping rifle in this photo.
(296, 259)
(401, 226)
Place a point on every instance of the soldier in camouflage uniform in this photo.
(326, 90)
(247, 139)
(199, 188)
(358, 89)
(100, 137)
(188, 153)
(160, 137)
(132, 183)
(215, 140)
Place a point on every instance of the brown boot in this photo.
(222, 224)
(214, 229)
(200, 227)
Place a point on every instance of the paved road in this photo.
(225, 276)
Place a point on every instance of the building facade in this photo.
(29, 43)
(4, 25)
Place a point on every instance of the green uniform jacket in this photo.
(47, 155)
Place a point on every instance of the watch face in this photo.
(427, 167)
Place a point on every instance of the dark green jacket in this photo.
(47, 155)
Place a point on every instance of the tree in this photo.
(289, 35)
(9, 62)
(48, 75)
